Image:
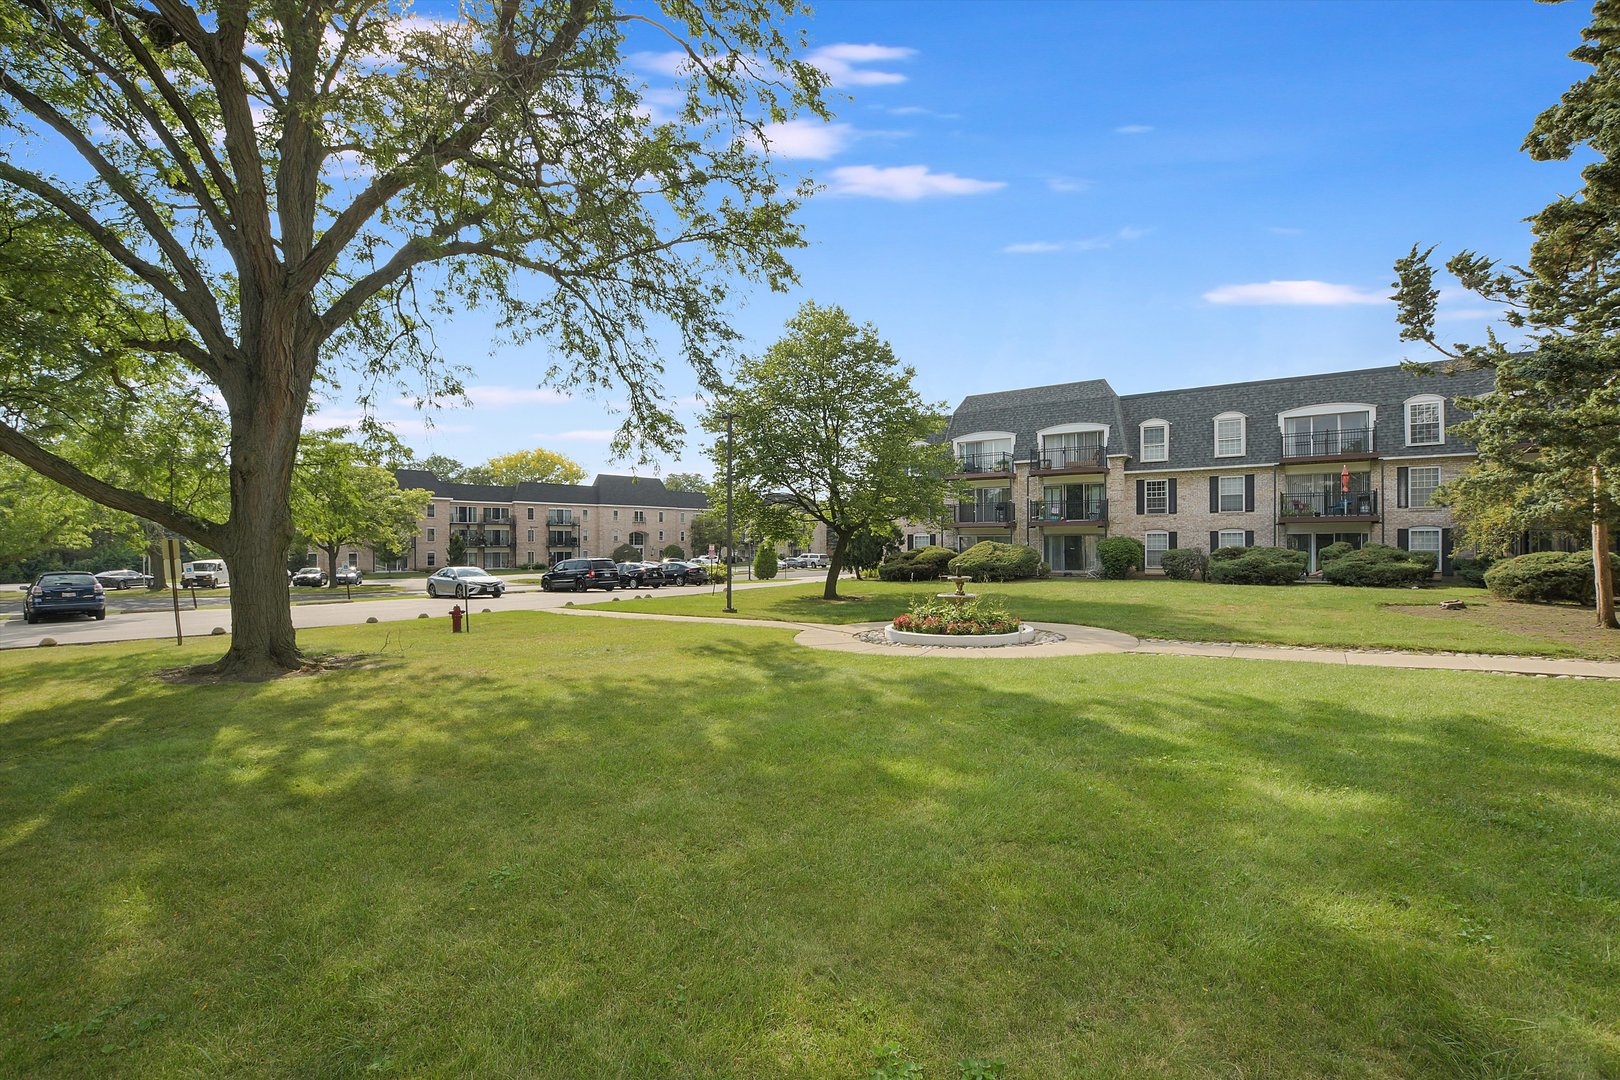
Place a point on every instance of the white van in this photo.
(205, 574)
(811, 560)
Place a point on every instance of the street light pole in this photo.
(729, 541)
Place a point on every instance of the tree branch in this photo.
(17, 445)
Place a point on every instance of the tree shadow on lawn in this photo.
(758, 860)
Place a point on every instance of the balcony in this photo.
(1071, 459)
(995, 515)
(1346, 444)
(984, 465)
(1068, 511)
(1302, 506)
(497, 517)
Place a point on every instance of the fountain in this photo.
(1022, 636)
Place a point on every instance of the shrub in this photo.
(931, 615)
(918, 564)
(1380, 565)
(1472, 571)
(1332, 552)
(765, 562)
(1185, 564)
(1120, 555)
(674, 551)
(1546, 577)
(1256, 566)
(990, 561)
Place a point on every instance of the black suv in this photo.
(581, 574)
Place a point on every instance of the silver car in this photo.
(464, 581)
(123, 579)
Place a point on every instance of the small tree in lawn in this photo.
(765, 562)
(342, 495)
(1548, 432)
(828, 427)
(869, 547)
(455, 550)
(674, 551)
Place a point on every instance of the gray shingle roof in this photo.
(1024, 412)
(608, 488)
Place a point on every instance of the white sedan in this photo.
(464, 581)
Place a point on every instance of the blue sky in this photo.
(1158, 194)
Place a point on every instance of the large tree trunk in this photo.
(835, 566)
(159, 565)
(1602, 571)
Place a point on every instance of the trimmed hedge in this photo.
(1256, 566)
(765, 562)
(917, 564)
(1184, 564)
(1379, 565)
(1120, 555)
(1547, 577)
(1333, 551)
(1472, 571)
(990, 561)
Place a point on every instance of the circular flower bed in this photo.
(973, 622)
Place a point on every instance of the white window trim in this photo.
(1148, 552)
(1141, 436)
(1424, 399)
(1147, 498)
(1439, 478)
(1243, 434)
(1069, 429)
(1425, 529)
(1241, 534)
(1328, 408)
(1242, 494)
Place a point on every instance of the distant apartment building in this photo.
(1298, 462)
(509, 525)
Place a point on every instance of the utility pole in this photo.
(729, 417)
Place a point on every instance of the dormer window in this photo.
(1425, 420)
(1156, 440)
(1231, 435)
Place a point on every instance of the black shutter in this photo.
(1248, 493)
(1403, 539)
(1172, 539)
(1214, 494)
(1141, 497)
(1214, 540)
(1400, 488)
(1445, 552)
(1248, 538)
(1172, 486)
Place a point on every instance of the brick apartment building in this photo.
(1297, 462)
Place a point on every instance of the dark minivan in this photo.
(64, 593)
(579, 575)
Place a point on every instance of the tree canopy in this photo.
(344, 495)
(827, 427)
(535, 466)
(1548, 433)
(282, 199)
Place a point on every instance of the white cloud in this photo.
(1090, 243)
(1133, 129)
(672, 63)
(840, 63)
(1295, 293)
(502, 397)
(904, 183)
(1067, 185)
(918, 110)
(582, 435)
(807, 138)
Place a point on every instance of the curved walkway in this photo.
(1090, 640)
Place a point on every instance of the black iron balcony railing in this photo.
(1072, 457)
(985, 463)
(1328, 504)
(997, 513)
(1052, 511)
(1315, 444)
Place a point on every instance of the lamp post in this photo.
(728, 417)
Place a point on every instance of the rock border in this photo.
(1022, 636)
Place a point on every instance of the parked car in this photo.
(812, 560)
(312, 576)
(641, 575)
(204, 574)
(706, 560)
(123, 579)
(792, 562)
(677, 572)
(64, 592)
(464, 581)
(348, 575)
(579, 575)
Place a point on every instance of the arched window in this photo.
(638, 539)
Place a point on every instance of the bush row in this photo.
(918, 564)
(1256, 565)
(990, 561)
(1547, 577)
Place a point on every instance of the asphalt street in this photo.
(159, 624)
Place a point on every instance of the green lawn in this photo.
(1193, 611)
(583, 848)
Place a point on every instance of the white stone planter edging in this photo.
(1023, 636)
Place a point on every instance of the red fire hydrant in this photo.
(455, 619)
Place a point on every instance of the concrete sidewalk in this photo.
(1090, 640)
